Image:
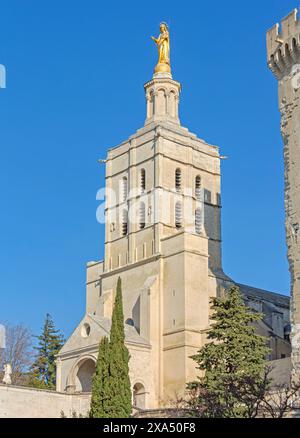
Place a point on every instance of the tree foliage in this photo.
(100, 386)
(111, 392)
(119, 400)
(18, 352)
(43, 370)
(233, 363)
(280, 400)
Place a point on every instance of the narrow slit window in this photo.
(178, 180)
(178, 215)
(143, 180)
(142, 215)
(198, 188)
(124, 189)
(198, 220)
(124, 223)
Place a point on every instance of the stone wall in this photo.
(22, 402)
(161, 413)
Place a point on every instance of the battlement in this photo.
(283, 44)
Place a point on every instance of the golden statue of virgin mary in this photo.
(163, 46)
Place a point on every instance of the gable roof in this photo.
(131, 334)
(99, 327)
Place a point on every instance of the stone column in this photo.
(284, 61)
(58, 375)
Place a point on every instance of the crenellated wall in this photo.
(283, 45)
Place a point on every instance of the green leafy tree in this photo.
(111, 392)
(235, 380)
(43, 370)
(100, 386)
(119, 395)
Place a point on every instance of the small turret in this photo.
(283, 45)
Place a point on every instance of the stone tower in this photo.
(283, 48)
(163, 238)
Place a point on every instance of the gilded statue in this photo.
(163, 46)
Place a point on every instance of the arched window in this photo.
(124, 189)
(151, 107)
(198, 187)
(172, 103)
(178, 215)
(287, 49)
(143, 180)
(139, 396)
(124, 227)
(84, 377)
(142, 215)
(178, 180)
(198, 220)
(161, 107)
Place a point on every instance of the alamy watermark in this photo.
(2, 76)
(184, 209)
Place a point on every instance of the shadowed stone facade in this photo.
(283, 47)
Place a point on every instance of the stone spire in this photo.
(284, 61)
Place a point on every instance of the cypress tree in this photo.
(43, 370)
(100, 382)
(234, 363)
(119, 398)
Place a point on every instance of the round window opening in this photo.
(85, 330)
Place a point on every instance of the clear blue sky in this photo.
(75, 75)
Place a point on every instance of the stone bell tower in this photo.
(163, 238)
(283, 47)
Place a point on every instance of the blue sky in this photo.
(75, 75)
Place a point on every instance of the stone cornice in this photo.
(162, 80)
(165, 130)
(94, 348)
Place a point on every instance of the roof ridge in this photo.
(264, 290)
